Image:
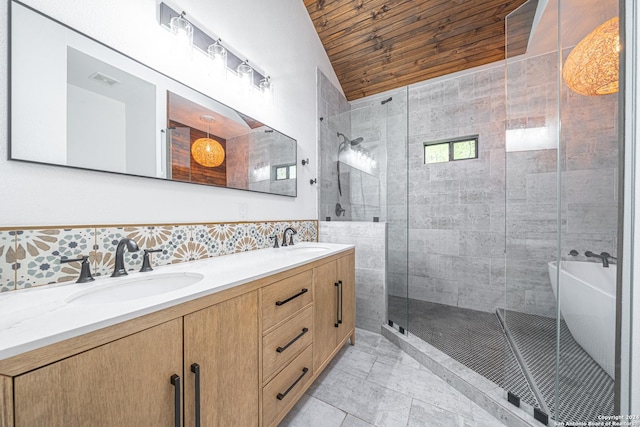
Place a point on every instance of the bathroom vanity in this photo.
(236, 348)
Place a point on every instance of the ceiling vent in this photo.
(103, 78)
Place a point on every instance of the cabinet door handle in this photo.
(303, 291)
(175, 380)
(195, 368)
(337, 285)
(281, 349)
(341, 289)
(281, 396)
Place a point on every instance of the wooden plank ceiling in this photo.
(378, 45)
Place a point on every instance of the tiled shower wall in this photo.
(31, 257)
(457, 214)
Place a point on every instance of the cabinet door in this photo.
(325, 316)
(346, 278)
(223, 341)
(124, 383)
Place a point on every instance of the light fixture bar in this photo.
(202, 41)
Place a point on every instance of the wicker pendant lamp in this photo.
(206, 151)
(592, 66)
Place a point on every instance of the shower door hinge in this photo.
(540, 416)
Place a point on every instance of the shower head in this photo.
(351, 142)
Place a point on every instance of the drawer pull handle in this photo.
(341, 289)
(195, 368)
(281, 396)
(303, 291)
(175, 380)
(338, 321)
(281, 349)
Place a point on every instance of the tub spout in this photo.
(602, 257)
(611, 259)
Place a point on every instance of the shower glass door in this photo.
(532, 222)
(396, 178)
(560, 204)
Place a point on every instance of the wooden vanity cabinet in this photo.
(241, 357)
(222, 341)
(124, 383)
(334, 307)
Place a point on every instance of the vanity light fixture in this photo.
(218, 55)
(206, 151)
(182, 29)
(245, 73)
(248, 75)
(592, 67)
(266, 88)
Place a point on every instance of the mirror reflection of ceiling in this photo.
(579, 18)
(227, 123)
(89, 73)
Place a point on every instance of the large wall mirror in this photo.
(78, 103)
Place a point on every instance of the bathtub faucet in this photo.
(604, 257)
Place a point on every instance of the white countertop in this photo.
(34, 318)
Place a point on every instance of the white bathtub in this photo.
(588, 306)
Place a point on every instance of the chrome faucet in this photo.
(129, 244)
(284, 236)
(604, 257)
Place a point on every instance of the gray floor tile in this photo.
(353, 361)
(423, 414)
(351, 421)
(311, 412)
(374, 383)
(368, 401)
(422, 385)
(481, 417)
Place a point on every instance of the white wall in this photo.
(277, 36)
(90, 143)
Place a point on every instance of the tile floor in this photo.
(374, 383)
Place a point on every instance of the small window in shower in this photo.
(451, 149)
(286, 172)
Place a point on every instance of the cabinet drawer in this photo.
(281, 345)
(285, 297)
(286, 386)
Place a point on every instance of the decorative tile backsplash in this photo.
(31, 257)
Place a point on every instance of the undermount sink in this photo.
(137, 288)
(307, 249)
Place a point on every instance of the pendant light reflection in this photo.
(218, 55)
(206, 151)
(592, 67)
(245, 74)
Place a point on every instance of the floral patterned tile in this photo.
(38, 254)
(7, 261)
(245, 238)
(202, 235)
(308, 231)
(167, 238)
(175, 249)
(31, 257)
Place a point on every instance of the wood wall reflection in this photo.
(183, 165)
